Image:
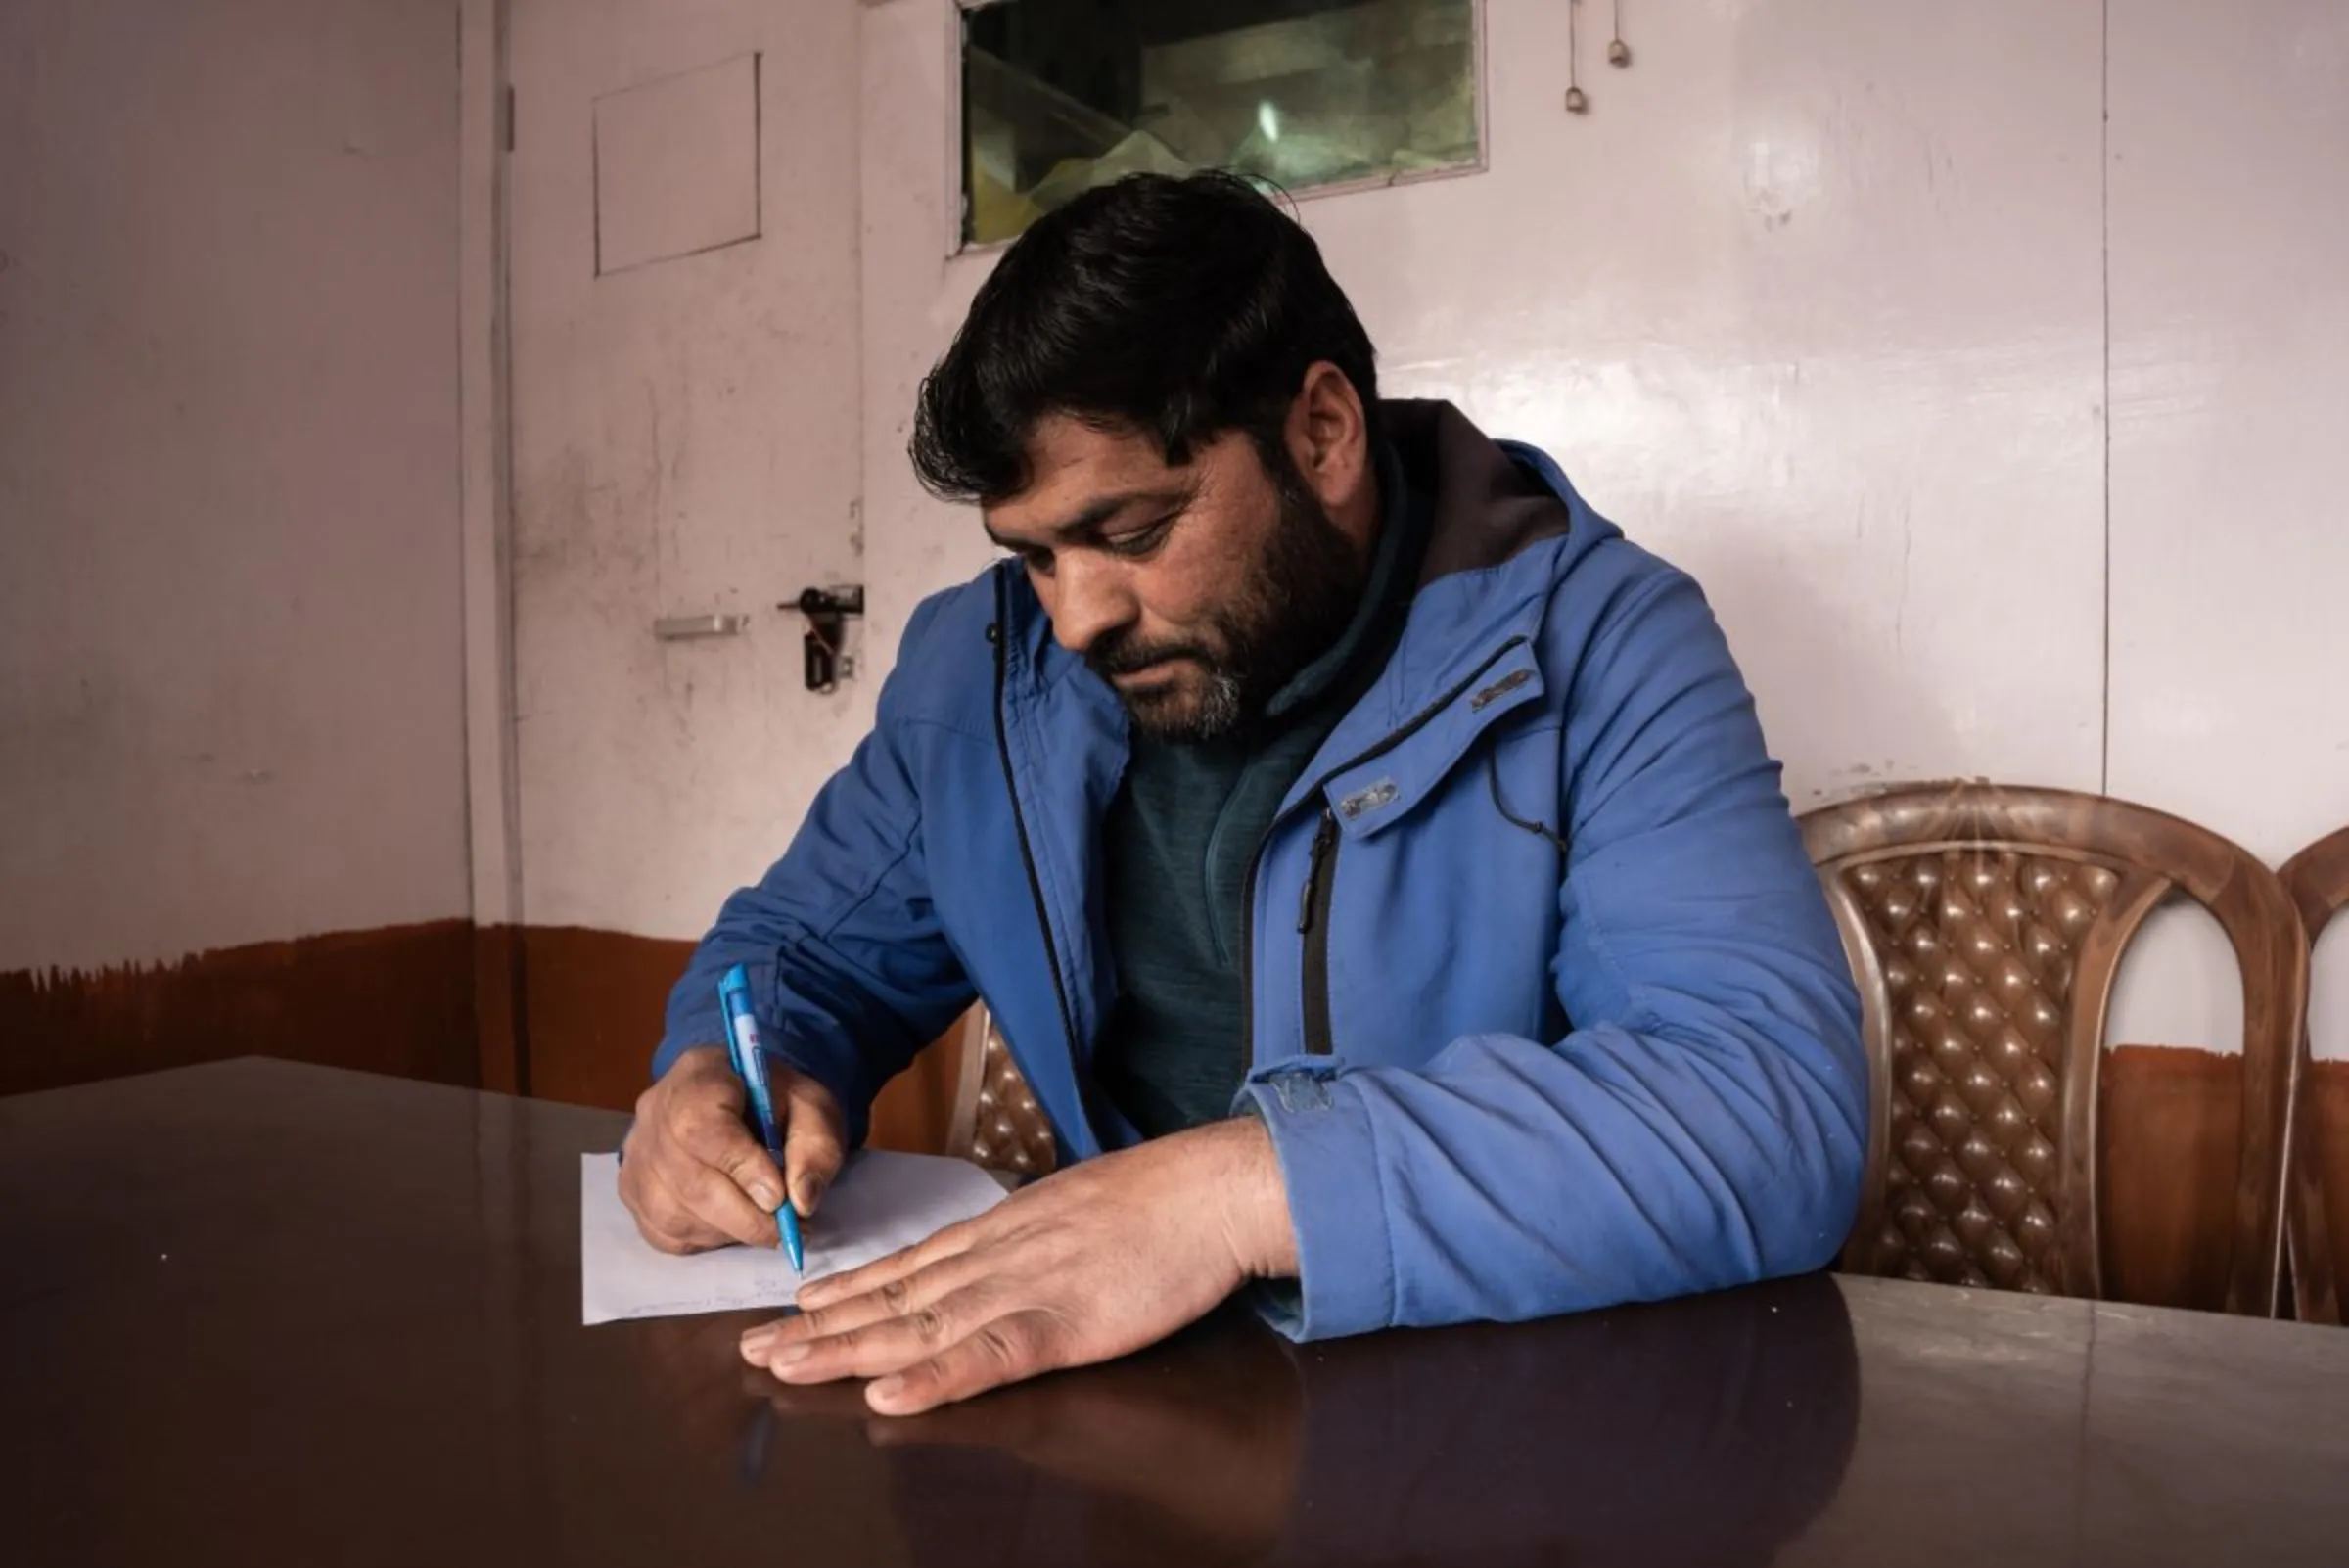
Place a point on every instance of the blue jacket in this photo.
(1546, 1009)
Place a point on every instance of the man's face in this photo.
(1197, 592)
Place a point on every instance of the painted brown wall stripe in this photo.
(395, 1000)
(561, 1013)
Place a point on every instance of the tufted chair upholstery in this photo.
(1985, 926)
(997, 1121)
(2318, 879)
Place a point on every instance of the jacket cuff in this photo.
(1329, 1164)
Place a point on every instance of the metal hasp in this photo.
(684, 629)
(827, 611)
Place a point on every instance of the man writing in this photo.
(1371, 857)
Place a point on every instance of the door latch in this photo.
(827, 611)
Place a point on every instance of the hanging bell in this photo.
(1576, 102)
(1619, 53)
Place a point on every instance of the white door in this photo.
(683, 219)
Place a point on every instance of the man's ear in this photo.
(1329, 441)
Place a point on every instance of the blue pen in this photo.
(742, 1040)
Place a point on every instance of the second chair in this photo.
(2318, 879)
(1985, 926)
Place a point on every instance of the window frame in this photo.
(956, 194)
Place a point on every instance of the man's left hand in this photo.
(1093, 1262)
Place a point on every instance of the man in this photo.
(1371, 857)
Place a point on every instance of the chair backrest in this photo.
(2318, 880)
(1985, 926)
(997, 1121)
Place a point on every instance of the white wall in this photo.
(685, 443)
(914, 296)
(2229, 191)
(1814, 304)
(230, 664)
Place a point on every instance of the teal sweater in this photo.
(1184, 830)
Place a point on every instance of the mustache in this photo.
(1120, 654)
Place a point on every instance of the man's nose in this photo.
(1088, 600)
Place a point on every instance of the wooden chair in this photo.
(2318, 880)
(1985, 926)
(996, 1121)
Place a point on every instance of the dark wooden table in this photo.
(263, 1313)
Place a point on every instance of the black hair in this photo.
(1178, 308)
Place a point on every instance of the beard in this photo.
(1289, 603)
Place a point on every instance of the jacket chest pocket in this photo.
(1441, 924)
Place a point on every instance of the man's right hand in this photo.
(694, 1176)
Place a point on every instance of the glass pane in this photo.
(1061, 95)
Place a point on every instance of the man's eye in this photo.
(1038, 562)
(1141, 542)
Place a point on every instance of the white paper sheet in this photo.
(879, 1203)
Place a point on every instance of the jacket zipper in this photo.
(1019, 822)
(1312, 924)
(1316, 979)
